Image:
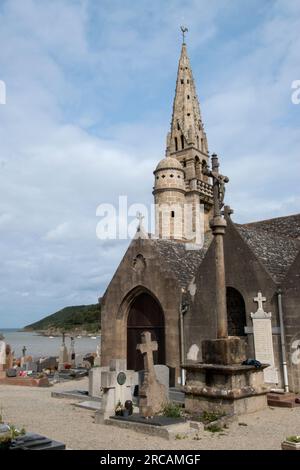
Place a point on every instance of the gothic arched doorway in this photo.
(236, 312)
(145, 314)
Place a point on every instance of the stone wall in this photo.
(131, 278)
(291, 314)
(245, 273)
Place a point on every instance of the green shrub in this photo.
(214, 428)
(171, 410)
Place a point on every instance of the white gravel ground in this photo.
(37, 411)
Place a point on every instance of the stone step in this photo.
(284, 400)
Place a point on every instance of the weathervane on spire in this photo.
(183, 30)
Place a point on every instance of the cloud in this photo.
(89, 98)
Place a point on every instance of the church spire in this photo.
(186, 126)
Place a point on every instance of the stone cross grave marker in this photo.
(263, 339)
(152, 394)
(117, 386)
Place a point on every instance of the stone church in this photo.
(163, 287)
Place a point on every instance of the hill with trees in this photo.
(77, 319)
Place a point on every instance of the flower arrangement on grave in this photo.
(291, 443)
(119, 409)
(295, 439)
(8, 432)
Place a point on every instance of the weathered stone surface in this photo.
(152, 394)
(229, 389)
(116, 387)
(224, 351)
(258, 257)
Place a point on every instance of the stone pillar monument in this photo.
(222, 383)
(2, 356)
(63, 354)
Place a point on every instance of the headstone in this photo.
(47, 363)
(97, 361)
(162, 373)
(9, 357)
(152, 394)
(72, 352)
(2, 353)
(95, 381)
(31, 366)
(116, 384)
(263, 340)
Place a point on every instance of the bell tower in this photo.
(187, 144)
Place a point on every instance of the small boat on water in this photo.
(93, 337)
(50, 337)
(78, 337)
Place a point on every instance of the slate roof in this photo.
(181, 261)
(276, 242)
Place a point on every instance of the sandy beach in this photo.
(59, 419)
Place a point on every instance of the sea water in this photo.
(37, 345)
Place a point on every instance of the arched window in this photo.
(236, 312)
(197, 167)
(176, 144)
(182, 141)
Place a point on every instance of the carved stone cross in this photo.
(152, 393)
(260, 313)
(260, 299)
(140, 218)
(218, 184)
(147, 347)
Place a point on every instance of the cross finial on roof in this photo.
(140, 218)
(228, 211)
(183, 30)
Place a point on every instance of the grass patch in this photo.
(209, 417)
(214, 428)
(171, 410)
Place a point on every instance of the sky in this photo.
(89, 91)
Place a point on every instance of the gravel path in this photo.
(59, 419)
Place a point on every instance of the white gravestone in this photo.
(116, 385)
(95, 387)
(63, 354)
(263, 340)
(97, 361)
(2, 354)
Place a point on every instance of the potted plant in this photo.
(291, 443)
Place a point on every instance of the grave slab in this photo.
(89, 405)
(154, 427)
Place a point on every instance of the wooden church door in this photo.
(145, 314)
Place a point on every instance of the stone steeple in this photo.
(186, 126)
(181, 179)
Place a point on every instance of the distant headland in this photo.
(75, 320)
